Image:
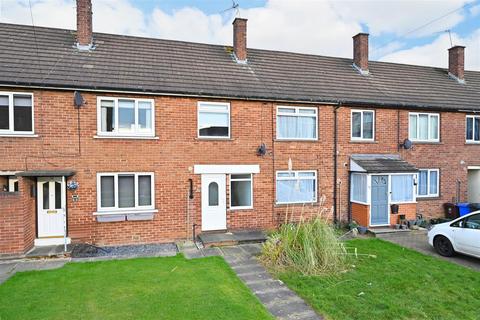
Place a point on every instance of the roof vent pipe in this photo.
(456, 63)
(84, 25)
(240, 40)
(360, 53)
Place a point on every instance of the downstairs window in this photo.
(296, 187)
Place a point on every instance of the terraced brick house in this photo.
(110, 139)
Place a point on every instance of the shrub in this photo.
(309, 246)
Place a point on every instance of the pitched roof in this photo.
(46, 57)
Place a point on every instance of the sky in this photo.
(402, 31)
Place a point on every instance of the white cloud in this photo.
(319, 27)
(436, 53)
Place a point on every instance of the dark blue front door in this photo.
(379, 212)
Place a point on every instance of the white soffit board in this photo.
(226, 168)
(8, 173)
(354, 167)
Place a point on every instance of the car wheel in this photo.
(443, 246)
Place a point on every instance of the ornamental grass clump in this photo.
(309, 246)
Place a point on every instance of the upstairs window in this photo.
(427, 183)
(472, 132)
(424, 127)
(213, 120)
(125, 191)
(362, 125)
(126, 117)
(16, 113)
(296, 123)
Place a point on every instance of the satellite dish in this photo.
(407, 144)
(262, 150)
(78, 99)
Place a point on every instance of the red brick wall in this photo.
(178, 149)
(361, 214)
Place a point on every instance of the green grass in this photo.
(398, 284)
(151, 288)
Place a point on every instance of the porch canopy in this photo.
(46, 173)
(380, 163)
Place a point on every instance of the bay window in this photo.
(424, 127)
(428, 183)
(16, 113)
(126, 117)
(472, 131)
(241, 191)
(125, 191)
(362, 126)
(296, 186)
(296, 123)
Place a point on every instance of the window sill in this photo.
(18, 135)
(125, 137)
(240, 209)
(314, 203)
(363, 141)
(472, 143)
(117, 212)
(426, 142)
(296, 140)
(213, 139)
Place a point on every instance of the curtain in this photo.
(423, 127)
(299, 190)
(126, 191)
(433, 127)
(367, 125)
(144, 190)
(402, 188)
(359, 187)
(433, 182)
(413, 127)
(422, 182)
(107, 192)
(297, 127)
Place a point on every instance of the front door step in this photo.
(385, 230)
(219, 239)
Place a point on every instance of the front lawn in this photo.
(398, 284)
(151, 288)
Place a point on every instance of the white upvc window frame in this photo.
(202, 106)
(11, 131)
(428, 195)
(430, 115)
(367, 177)
(361, 138)
(115, 133)
(471, 141)
(251, 191)
(116, 208)
(296, 177)
(296, 114)
(11, 183)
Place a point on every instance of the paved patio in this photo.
(418, 241)
(282, 302)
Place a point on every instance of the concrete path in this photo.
(418, 240)
(9, 268)
(278, 298)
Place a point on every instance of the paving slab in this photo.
(279, 300)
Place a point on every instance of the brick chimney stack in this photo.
(360, 53)
(456, 63)
(84, 25)
(240, 39)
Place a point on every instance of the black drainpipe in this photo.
(335, 169)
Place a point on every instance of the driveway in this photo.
(418, 241)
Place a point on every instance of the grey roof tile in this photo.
(48, 58)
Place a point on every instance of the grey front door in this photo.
(379, 212)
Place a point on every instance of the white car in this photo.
(461, 235)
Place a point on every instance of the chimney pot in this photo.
(456, 63)
(240, 39)
(360, 53)
(84, 25)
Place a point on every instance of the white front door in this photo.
(51, 207)
(214, 204)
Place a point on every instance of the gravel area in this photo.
(144, 250)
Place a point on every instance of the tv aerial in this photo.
(235, 6)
